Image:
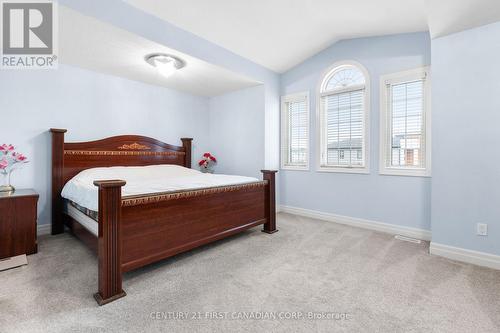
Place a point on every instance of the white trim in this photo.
(358, 87)
(400, 77)
(361, 170)
(294, 168)
(360, 223)
(365, 169)
(297, 97)
(412, 172)
(43, 229)
(464, 255)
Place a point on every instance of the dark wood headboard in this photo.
(68, 159)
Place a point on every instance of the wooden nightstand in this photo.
(18, 215)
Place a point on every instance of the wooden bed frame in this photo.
(139, 230)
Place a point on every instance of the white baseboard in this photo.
(43, 229)
(464, 255)
(360, 223)
(450, 252)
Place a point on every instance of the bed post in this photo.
(109, 246)
(270, 205)
(57, 179)
(186, 143)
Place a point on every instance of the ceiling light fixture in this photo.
(166, 64)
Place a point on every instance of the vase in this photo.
(207, 170)
(5, 184)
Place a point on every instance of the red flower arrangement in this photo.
(207, 162)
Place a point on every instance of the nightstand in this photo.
(18, 216)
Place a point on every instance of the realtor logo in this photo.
(28, 34)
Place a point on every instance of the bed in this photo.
(149, 219)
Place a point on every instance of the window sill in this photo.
(292, 168)
(405, 172)
(363, 171)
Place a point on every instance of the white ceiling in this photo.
(280, 34)
(449, 16)
(92, 44)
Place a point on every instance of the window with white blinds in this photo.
(295, 132)
(405, 116)
(343, 119)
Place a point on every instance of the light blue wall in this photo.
(242, 127)
(91, 106)
(125, 16)
(466, 136)
(236, 131)
(76, 99)
(391, 199)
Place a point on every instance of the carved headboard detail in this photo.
(134, 146)
(124, 153)
(123, 150)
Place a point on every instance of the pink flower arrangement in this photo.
(6, 148)
(10, 158)
(207, 161)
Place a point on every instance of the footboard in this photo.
(136, 231)
(161, 226)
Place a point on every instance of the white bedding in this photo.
(144, 180)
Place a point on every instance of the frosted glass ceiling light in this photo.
(166, 64)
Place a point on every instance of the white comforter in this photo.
(143, 180)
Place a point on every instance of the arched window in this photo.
(343, 108)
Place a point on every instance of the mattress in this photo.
(90, 213)
(83, 216)
(142, 180)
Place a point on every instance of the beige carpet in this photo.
(358, 280)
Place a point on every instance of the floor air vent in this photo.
(408, 239)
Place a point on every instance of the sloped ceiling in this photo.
(89, 43)
(280, 34)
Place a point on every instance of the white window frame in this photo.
(327, 74)
(385, 140)
(297, 97)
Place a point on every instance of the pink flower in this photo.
(4, 164)
(19, 157)
(6, 148)
(206, 155)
